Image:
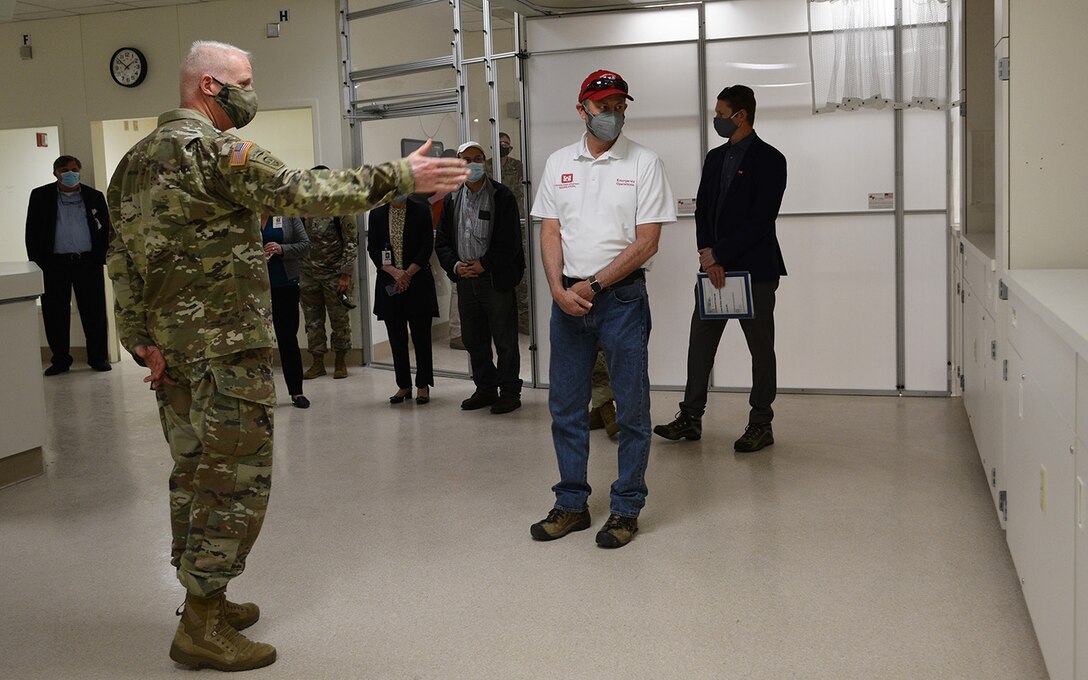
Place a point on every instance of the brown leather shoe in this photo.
(617, 531)
(479, 399)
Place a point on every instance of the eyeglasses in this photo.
(606, 83)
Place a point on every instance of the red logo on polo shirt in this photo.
(566, 178)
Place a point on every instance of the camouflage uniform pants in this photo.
(218, 422)
(602, 383)
(522, 289)
(318, 298)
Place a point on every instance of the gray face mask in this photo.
(604, 126)
(239, 105)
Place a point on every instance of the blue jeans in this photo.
(620, 321)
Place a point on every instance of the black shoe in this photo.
(401, 395)
(423, 397)
(756, 436)
(55, 369)
(506, 403)
(617, 531)
(684, 427)
(300, 401)
(558, 524)
(479, 399)
(102, 366)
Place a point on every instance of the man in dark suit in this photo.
(478, 242)
(735, 211)
(67, 230)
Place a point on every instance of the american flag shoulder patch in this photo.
(239, 153)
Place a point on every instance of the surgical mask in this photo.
(239, 105)
(725, 127)
(69, 179)
(504, 151)
(475, 171)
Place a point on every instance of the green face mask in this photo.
(239, 105)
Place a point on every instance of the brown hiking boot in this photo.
(559, 523)
(617, 531)
(684, 427)
(608, 419)
(756, 436)
(341, 370)
(316, 369)
(205, 639)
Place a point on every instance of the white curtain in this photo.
(853, 63)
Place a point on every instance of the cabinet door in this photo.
(1039, 472)
(1081, 515)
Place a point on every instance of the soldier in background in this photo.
(193, 306)
(326, 288)
(513, 176)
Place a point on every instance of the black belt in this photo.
(637, 275)
(72, 257)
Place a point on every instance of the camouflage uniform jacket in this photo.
(333, 250)
(185, 256)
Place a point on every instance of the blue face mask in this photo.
(400, 198)
(475, 171)
(70, 179)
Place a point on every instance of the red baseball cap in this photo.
(601, 84)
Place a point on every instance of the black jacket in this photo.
(504, 259)
(420, 298)
(41, 223)
(740, 226)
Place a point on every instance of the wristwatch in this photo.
(595, 285)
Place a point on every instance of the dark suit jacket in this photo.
(740, 226)
(41, 223)
(420, 299)
(504, 259)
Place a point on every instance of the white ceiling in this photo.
(50, 9)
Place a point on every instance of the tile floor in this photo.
(863, 544)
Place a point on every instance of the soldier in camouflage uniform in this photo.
(193, 306)
(326, 274)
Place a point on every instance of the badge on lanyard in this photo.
(387, 257)
(277, 222)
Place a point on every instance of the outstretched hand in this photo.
(436, 174)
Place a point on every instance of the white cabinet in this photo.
(1046, 465)
(981, 359)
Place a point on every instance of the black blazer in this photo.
(41, 223)
(504, 259)
(740, 226)
(420, 299)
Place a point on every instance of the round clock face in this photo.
(128, 67)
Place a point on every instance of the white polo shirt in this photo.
(599, 201)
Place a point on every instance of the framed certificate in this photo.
(731, 301)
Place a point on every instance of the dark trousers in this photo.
(60, 277)
(285, 322)
(703, 345)
(490, 316)
(420, 327)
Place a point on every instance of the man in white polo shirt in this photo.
(602, 201)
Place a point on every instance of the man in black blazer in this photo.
(735, 211)
(67, 230)
(478, 242)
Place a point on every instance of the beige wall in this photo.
(68, 84)
(1048, 97)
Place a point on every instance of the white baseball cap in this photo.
(468, 145)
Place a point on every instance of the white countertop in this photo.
(19, 281)
(1060, 297)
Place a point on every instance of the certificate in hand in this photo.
(731, 301)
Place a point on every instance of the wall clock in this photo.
(128, 66)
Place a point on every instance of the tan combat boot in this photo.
(316, 369)
(341, 370)
(205, 639)
(241, 616)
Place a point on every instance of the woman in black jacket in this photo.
(400, 239)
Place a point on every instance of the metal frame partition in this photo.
(454, 100)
